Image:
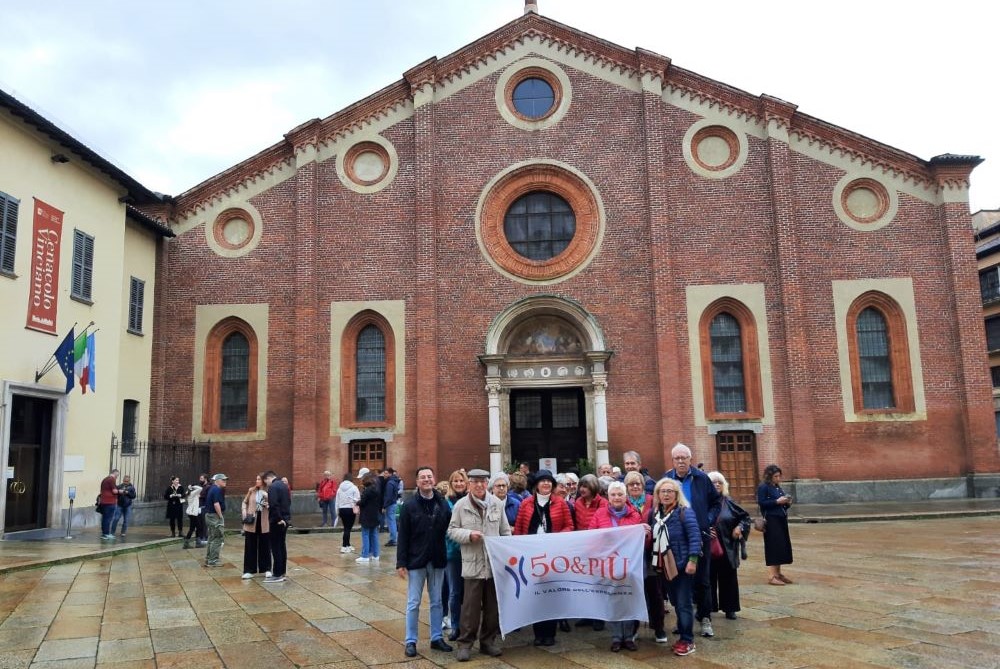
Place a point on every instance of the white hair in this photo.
(572, 477)
(617, 485)
(681, 449)
(499, 476)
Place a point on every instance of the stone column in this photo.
(599, 377)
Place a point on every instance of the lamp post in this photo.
(69, 519)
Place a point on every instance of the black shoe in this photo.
(439, 644)
(584, 622)
(539, 641)
(411, 650)
(598, 625)
(564, 626)
(389, 544)
(730, 615)
(453, 636)
(549, 641)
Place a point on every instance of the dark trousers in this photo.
(177, 525)
(107, 514)
(202, 527)
(725, 586)
(279, 552)
(256, 551)
(703, 588)
(347, 520)
(653, 588)
(195, 526)
(545, 629)
(480, 615)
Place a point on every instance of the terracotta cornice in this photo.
(953, 171)
(777, 110)
(714, 93)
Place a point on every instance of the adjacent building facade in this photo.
(545, 245)
(986, 224)
(74, 254)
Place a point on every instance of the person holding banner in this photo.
(543, 513)
(618, 513)
(421, 557)
(676, 550)
(477, 515)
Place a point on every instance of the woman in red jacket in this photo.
(618, 513)
(543, 513)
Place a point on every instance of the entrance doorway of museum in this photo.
(28, 458)
(548, 423)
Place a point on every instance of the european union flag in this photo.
(64, 357)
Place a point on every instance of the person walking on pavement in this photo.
(326, 491)
(279, 500)
(390, 499)
(348, 497)
(215, 519)
(108, 501)
(421, 557)
(194, 511)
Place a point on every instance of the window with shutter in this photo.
(8, 232)
(83, 265)
(136, 298)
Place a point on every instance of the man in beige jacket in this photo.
(475, 516)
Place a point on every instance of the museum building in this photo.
(545, 245)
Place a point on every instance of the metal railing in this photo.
(151, 464)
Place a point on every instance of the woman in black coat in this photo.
(731, 530)
(773, 504)
(175, 495)
(370, 507)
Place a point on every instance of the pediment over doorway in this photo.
(543, 335)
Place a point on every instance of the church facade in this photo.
(544, 245)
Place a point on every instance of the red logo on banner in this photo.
(43, 295)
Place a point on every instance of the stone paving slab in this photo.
(905, 593)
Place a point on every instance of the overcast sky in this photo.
(175, 92)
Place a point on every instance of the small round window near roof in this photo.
(533, 98)
(539, 226)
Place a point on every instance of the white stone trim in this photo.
(390, 174)
(565, 95)
(258, 231)
(847, 219)
(688, 149)
(540, 304)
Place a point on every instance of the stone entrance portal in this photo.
(536, 347)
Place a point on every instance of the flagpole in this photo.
(49, 364)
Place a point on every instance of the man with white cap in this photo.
(475, 516)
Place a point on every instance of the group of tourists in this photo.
(114, 503)
(695, 540)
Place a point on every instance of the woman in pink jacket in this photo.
(618, 513)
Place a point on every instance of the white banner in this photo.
(593, 573)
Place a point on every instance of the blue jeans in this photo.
(681, 590)
(456, 590)
(122, 513)
(390, 516)
(327, 508)
(107, 514)
(416, 578)
(369, 542)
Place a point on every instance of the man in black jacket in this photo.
(421, 557)
(279, 502)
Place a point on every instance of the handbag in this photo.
(716, 548)
(668, 565)
(760, 524)
(97, 504)
(249, 519)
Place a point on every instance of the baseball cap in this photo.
(220, 477)
(362, 472)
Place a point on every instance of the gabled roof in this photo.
(638, 62)
(138, 193)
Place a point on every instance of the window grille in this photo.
(234, 396)
(727, 364)
(875, 363)
(370, 398)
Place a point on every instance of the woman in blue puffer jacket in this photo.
(675, 527)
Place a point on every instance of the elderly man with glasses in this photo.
(706, 502)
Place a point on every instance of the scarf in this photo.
(638, 502)
(661, 537)
(617, 515)
(541, 521)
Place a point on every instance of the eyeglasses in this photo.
(499, 485)
(634, 484)
(681, 458)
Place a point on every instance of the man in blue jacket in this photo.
(706, 502)
(390, 496)
(279, 515)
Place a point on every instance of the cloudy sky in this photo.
(175, 92)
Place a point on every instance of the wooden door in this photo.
(737, 459)
(368, 453)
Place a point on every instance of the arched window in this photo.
(879, 351)
(730, 366)
(368, 372)
(230, 393)
(369, 396)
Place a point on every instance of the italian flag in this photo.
(84, 351)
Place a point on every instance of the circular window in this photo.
(233, 229)
(864, 203)
(533, 98)
(539, 222)
(714, 151)
(366, 163)
(533, 94)
(539, 226)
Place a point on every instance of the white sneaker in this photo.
(268, 574)
(374, 558)
(345, 549)
(350, 549)
(706, 627)
(446, 623)
(247, 576)
(361, 559)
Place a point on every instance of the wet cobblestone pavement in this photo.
(902, 593)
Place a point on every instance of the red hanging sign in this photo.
(43, 293)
